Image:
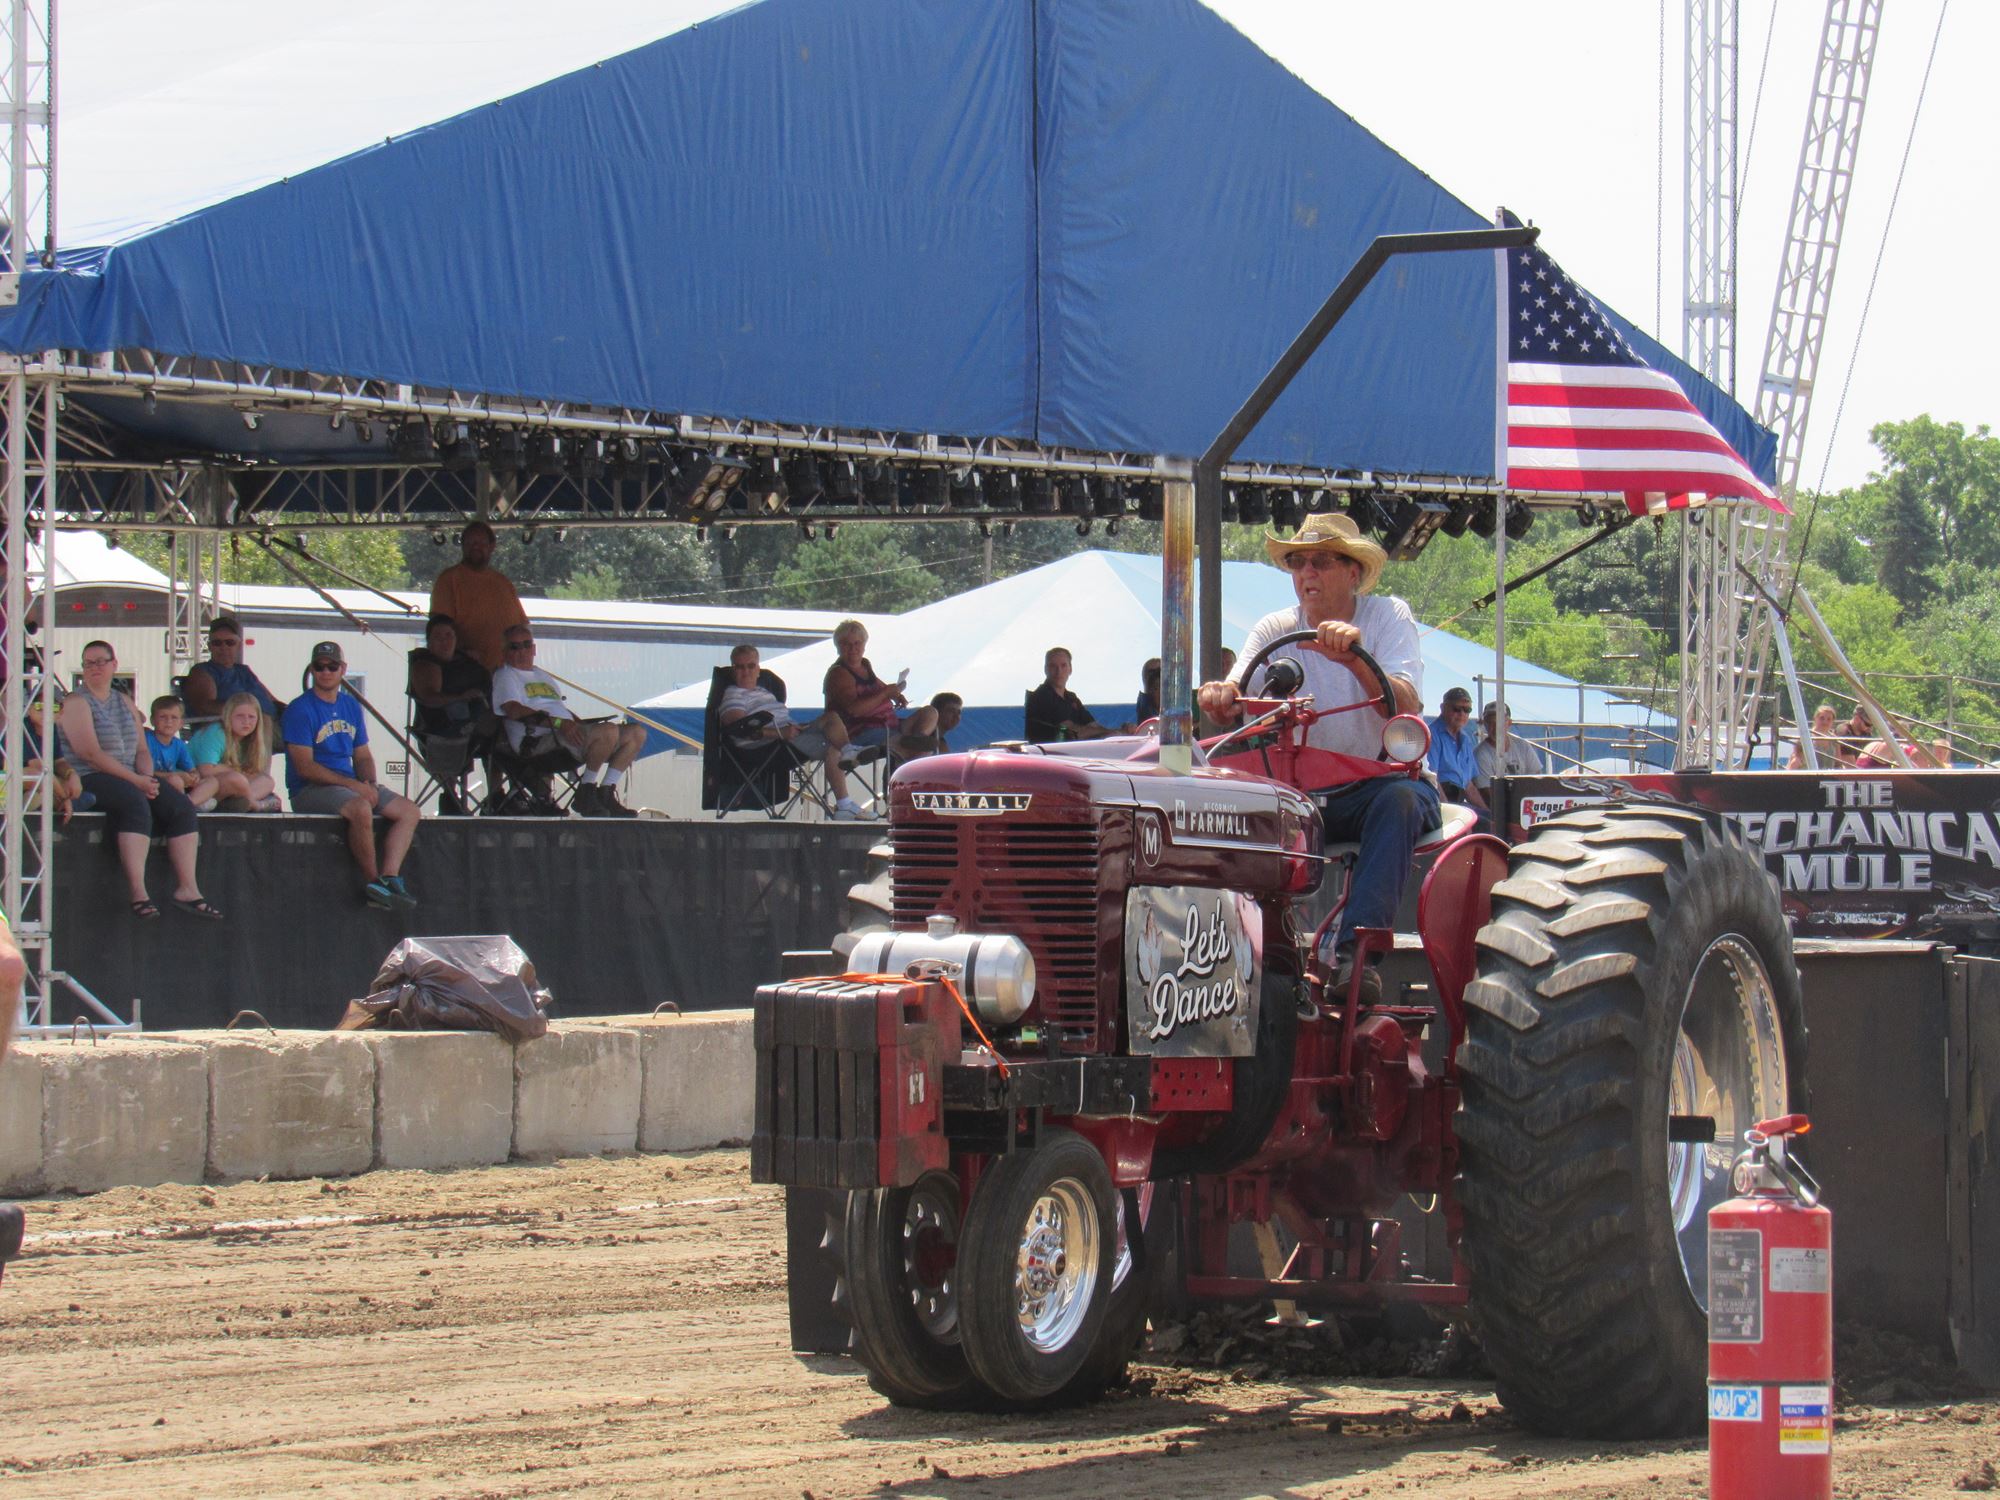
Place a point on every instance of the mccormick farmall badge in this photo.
(1191, 964)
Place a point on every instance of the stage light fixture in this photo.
(927, 488)
(1285, 509)
(545, 453)
(1006, 529)
(701, 482)
(411, 443)
(252, 420)
(829, 529)
(1459, 516)
(843, 485)
(152, 402)
(337, 420)
(1319, 502)
(1111, 527)
(626, 459)
(805, 530)
(1152, 501)
(456, 447)
(1482, 517)
(1083, 528)
(1038, 495)
(803, 478)
(1519, 519)
(586, 458)
(437, 537)
(764, 489)
(1077, 497)
(503, 449)
(985, 528)
(1368, 512)
(1253, 505)
(1416, 522)
(1114, 498)
(1003, 489)
(879, 486)
(364, 432)
(964, 490)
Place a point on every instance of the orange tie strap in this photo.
(950, 989)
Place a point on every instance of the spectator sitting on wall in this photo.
(867, 705)
(824, 739)
(479, 598)
(1825, 746)
(213, 682)
(1520, 758)
(61, 781)
(173, 764)
(236, 751)
(100, 729)
(330, 769)
(454, 715)
(1054, 712)
(950, 709)
(538, 719)
(1147, 704)
(1453, 755)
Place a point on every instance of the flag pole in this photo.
(1500, 716)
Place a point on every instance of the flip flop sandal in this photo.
(145, 910)
(199, 907)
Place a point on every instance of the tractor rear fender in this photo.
(1455, 902)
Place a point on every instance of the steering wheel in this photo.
(1386, 697)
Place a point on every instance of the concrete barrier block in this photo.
(698, 1081)
(21, 1122)
(132, 1112)
(576, 1091)
(287, 1104)
(442, 1098)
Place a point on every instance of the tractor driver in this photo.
(1333, 567)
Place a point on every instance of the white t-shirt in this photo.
(752, 700)
(533, 689)
(1388, 633)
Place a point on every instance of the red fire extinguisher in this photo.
(1770, 1327)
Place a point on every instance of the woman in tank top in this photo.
(100, 730)
(867, 705)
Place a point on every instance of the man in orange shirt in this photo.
(479, 597)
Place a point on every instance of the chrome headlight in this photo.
(1406, 738)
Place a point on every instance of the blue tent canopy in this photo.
(1085, 223)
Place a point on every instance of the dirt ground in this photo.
(619, 1326)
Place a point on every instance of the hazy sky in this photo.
(1549, 107)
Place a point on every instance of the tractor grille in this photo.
(1035, 880)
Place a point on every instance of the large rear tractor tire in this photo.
(900, 1249)
(1636, 1011)
(1036, 1264)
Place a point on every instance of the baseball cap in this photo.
(329, 651)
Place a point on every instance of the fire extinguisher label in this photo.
(1735, 1286)
(1802, 1270)
(1736, 1403)
(1805, 1419)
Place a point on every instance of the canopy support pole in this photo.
(1203, 496)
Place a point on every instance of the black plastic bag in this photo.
(483, 983)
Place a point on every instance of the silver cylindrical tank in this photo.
(994, 972)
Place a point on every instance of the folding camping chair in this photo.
(772, 776)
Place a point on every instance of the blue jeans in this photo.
(1385, 815)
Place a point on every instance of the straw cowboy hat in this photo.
(1326, 532)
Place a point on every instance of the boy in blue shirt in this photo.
(173, 761)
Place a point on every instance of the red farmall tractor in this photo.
(1094, 1036)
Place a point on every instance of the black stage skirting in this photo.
(618, 916)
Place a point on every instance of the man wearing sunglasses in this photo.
(1334, 568)
(1454, 751)
(538, 721)
(330, 769)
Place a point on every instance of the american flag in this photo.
(1585, 414)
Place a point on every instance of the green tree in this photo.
(1957, 473)
(374, 557)
(1907, 543)
(860, 568)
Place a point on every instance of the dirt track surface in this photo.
(618, 1326)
